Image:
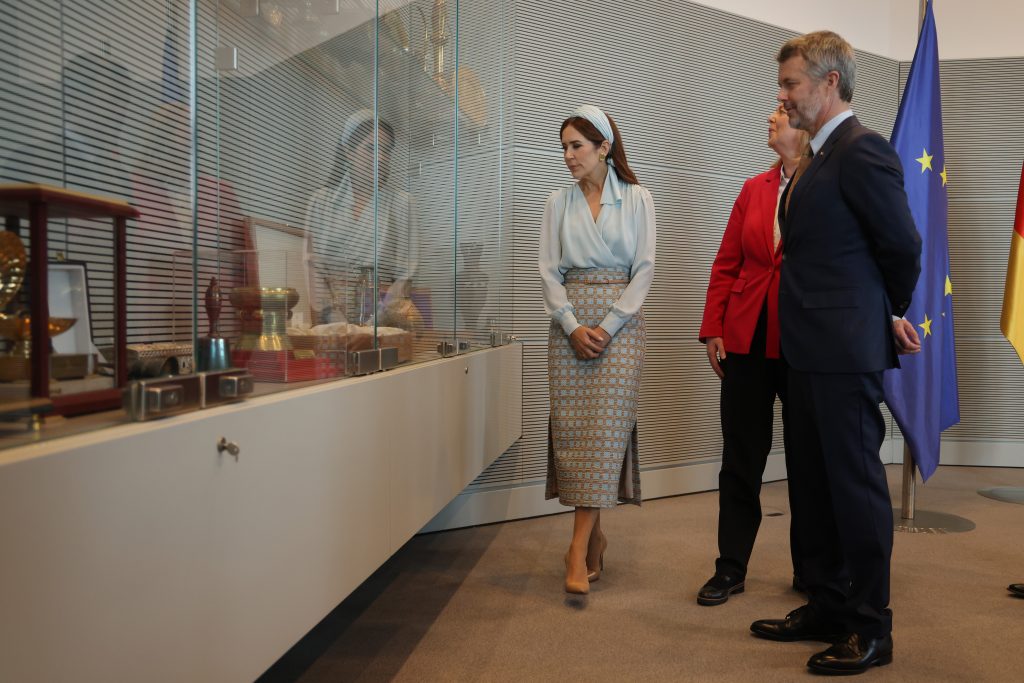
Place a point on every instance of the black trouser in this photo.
(749, 389)
(840, 496)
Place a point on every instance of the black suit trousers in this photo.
(840, 496)
(749, 388)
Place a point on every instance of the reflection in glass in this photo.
(359, 217)
(348, 151)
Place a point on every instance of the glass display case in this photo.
(319, 186)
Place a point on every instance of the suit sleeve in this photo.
(726, 268)
(872, 183)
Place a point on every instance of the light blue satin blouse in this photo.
(622, 237)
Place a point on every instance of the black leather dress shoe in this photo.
(852, 655)
(800, 624)
(1017, 589)
(718, 589)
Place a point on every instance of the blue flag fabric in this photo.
(923, 395)
(171, 87)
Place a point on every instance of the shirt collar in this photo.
(612, 192)
(818, 141)
(342, 194)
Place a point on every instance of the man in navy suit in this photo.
(851, 260)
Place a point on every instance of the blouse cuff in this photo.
(568, 322)
(612, 323)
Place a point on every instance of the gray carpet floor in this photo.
(486, 603)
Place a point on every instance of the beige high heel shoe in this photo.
(577, 587)
(594, 573)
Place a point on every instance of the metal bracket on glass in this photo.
(225, 386)
(149, 399)
(499, 338)
(452, 347)
(226, 58)
(248, 8)
(152, 398)
(388, 357)
(364, 362)
(369, 361)
(446, 348)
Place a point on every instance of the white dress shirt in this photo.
(822, 135)
(783, 183)
(622, 237)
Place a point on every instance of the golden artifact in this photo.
(15, 365)
(472, 101)
(402, 312)
(12, 266)
(392, 28)
(264, 313)
(18, 329)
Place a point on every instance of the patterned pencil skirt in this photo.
(592, 444)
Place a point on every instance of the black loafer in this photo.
(718, 589)
(800, 624)
(1016, 589)
(852, 655)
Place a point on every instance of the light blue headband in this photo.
(598, 118)
(357, 119)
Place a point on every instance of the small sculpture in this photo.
(214, 304)
(214, 350)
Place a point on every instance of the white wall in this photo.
(971, 29)
(968, 29)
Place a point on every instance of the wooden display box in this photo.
(39, 204)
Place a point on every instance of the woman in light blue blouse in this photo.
(596, 266)
(359, 222)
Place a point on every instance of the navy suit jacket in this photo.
(851, 259)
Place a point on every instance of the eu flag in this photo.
(170, 83)
(923, 394)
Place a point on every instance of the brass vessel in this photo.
(264, 313)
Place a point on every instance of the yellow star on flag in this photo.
(949, 287)
(926, 325)
(925, 160)
(944, 176)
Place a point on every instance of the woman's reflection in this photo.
(342, 218)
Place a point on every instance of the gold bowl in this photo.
(18, 328)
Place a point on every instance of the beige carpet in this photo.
(486, 604)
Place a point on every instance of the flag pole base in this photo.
(1005, 494)
(928, 522)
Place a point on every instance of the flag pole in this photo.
(924, 521)
(909, 483)
(909, 478)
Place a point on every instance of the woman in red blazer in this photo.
(741, 331)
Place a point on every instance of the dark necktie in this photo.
(805, 161)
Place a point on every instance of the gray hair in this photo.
(824, 51)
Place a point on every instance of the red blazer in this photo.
(746, 270)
